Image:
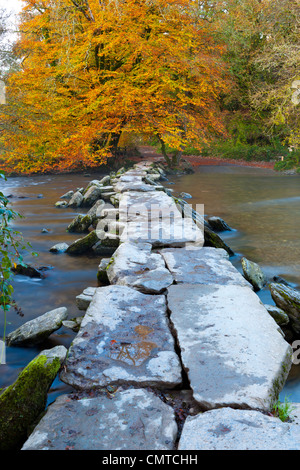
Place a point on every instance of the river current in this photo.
(262, 207)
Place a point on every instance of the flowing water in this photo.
(262, 206)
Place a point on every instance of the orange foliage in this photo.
(92, 69)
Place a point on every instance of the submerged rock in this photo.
(288, 299)
(22, 403)
(37, 330)
(61, 204)
(28, 270)
(185, 195)
(253, 273)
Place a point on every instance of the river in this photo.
(262, 206)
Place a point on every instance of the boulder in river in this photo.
(278, 314)
(61, 204)
(83, 244)
(67, 195)
(27, 270)
(253, 273)
(288, 299)
(91, 196)
(59, 248)
(76, 199)
(37, 330)
(80, 224)
(212, 239)
(218, 224)
(102, 271)
(22, 402)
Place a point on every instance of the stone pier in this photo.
(175, 320)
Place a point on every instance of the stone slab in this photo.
(37, 330)
(230, 345)
(84, 299)
(135, 266)
(124, 338)
(229, 429)
(202, 265)
(153, 217)
(134, 419)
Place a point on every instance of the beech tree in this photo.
(92, 70)
(277, 99)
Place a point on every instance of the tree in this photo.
(277, 100)
(93, 70)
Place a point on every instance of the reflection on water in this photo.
(263, 207)
(66, 277)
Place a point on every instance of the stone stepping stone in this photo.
(83, 300)
(202, 265)
(229, 429)
(134, 419)
(230, 346)
(153, 217)
(135, 266)
(124, 338)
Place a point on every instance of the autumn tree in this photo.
(92, 71)
(277, 99)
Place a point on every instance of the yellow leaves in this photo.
(139, 66)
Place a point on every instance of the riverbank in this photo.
(147, 152)
(164, 371)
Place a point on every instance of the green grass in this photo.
(282, 410)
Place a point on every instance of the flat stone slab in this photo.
(135, 266)
(153, 217)
(229, 429)
(202, 265)
(134, 419)
(37, 330)
(230, 345)
(124, 338)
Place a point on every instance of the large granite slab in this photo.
(134, 419)
(202, 265)
(134, 265)
(124, 338)
(229, 429)
(153, 217)
(230, 346)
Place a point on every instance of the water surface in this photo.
(262, 206)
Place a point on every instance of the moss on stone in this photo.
(22, 402)
(83, 244)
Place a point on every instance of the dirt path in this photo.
(148, 153)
